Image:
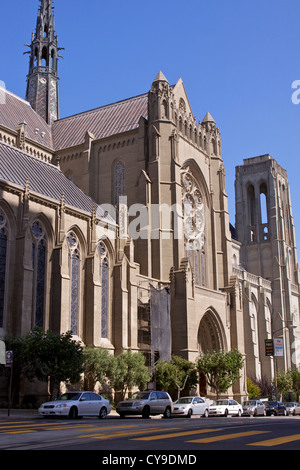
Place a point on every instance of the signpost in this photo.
(2, 353)
(269, 347)
(278, 347)
(9, 363)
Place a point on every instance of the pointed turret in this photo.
(42, 79)
(159, 97)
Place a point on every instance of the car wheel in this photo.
(239, 413)
(205, 414)
(190, 412)
(102, 413)
(73, 414)
(167, 413)
(146, 412)
(226, 413)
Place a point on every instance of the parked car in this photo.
(146, 404)
(188, 406)
(292, 408)
(75, 405)
(254, 408)
(275, 408)
(225, 408)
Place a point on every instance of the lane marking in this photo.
(124, 434)
(177, 434)
(224, 437)
(276, 441)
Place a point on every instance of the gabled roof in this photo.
(45, 179)
(102, 122)
(14, 111)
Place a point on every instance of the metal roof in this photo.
(14, 111)
(102, 122)
(44, 179)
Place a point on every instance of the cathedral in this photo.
(114, 225)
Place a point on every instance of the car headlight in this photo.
(61, 406)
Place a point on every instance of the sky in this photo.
(238, 59)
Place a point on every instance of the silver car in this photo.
(293, 408)
(75, 405)
(188, 406)
(146, 404)
(254, 408)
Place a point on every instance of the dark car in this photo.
(275, 408)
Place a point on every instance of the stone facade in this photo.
(116, 223)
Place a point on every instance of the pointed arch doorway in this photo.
(211, 338)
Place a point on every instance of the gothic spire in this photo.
(42, 79)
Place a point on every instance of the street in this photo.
(140, 439)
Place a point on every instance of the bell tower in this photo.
(42, 79)
(265, 229)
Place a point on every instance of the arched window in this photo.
(3, 264)
(74, 267)
(104, 267)
(264, 211)
(119, 182)
(194, 226)
(39, 250)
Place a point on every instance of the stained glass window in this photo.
(3, 257)
(194, 225)
(74, 248)
(39, 250)
(104, 289)
(119, 181)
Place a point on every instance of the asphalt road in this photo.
(147, 442)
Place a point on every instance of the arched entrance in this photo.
(211, 337)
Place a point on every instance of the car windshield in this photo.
(184, 400)
(70, 396)
(140, 396)
(271, 403)
(289, 404)
(250, 402)
(220, 402)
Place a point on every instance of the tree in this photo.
(176, 375)
(221, 369)
(98, 363)
(128, 371)
(284, 382)
(53, 357)
(252, 389)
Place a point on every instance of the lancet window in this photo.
(104, 266)
(3, 263)
(39, 250)
(119, 182)
(74, 263)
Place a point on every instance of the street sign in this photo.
(269, 347)
(9, 358)
(2, 353)
(278, 346)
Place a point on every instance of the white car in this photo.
(188, 406)
(225, 408)
(75, 405)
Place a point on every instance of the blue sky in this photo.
(237, 59)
